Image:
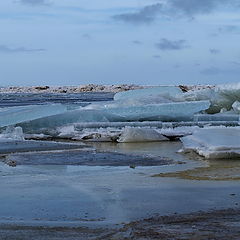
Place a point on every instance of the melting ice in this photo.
(145, 111)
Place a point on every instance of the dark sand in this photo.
(211, 225)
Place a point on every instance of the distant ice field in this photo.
(24, 99)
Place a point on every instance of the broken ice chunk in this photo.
(67, 118)
(140, 135)
(176, 111)
(14, 133)
(222, 96)
(214, 142)
(14, 115)
(236, 107)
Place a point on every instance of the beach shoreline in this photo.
(89, 88)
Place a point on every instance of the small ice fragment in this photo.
(236, 107)
(140, 135)
(14, 133)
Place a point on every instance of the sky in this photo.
(147, 42)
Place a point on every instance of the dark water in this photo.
(23, 99)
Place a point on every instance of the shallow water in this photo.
(64, 195)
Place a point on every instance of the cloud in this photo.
(211, 71)
(214, 51)
(35, 2)
(167, 45)
(217, 71)
(235, 63)
(137, 42)
(143, 16)
(156, 56)
(6, 49)
(193, 7)
(229, 29)
(86, 36)
(175, 9)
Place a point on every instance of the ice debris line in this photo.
(135, 116)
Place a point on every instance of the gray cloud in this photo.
(214, 51)
(156, 56)
(35, 2)
(144, 15)
(211, 71)
(175, 8)
(137, 42)
(167, 45)
(235, 63)
(229, 29)
(216, 71)
(86, 36)
(6, 49)
(193, 7)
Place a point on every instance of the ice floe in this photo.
(14, 115)
(220, 142)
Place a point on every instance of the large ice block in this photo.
(167, 92)
(222, 96)
(221, 142)
(67, 118)
(176, 111)
(14, 115)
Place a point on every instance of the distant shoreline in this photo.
(85, 88)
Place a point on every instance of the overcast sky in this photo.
(151, 42)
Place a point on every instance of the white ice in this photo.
(222, 96)
(12, 133)
(218, 142)
(140, 135)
